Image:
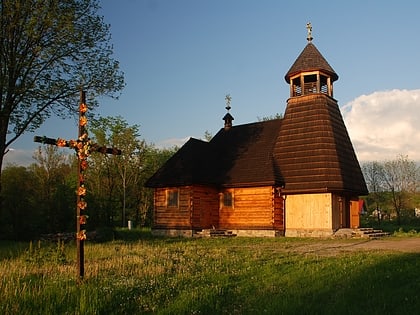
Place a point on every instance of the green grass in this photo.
(207, 276)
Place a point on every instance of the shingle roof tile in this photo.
(310, 59)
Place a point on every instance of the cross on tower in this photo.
(83, 147)
(309, 29)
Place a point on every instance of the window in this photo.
(172, 197)
(324, 85)
(310, 83)
(297, 89)
(227, 199)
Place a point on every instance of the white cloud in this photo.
(18, 157)
(171, 142)
(384, 124)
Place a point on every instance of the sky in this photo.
(181, 57)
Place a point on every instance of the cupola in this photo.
(228, 117)
(310, 73)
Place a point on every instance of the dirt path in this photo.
(408, 245)
(396, 244)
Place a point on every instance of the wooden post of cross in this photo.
(84, 147)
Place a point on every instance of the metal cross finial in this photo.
(228, 99)
(309, 28)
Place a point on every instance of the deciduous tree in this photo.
(49, 50)
(401, 180)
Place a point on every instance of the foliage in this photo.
(272, 117)
(17, 219)
(115, 132)
(214, 276)
(207, 136)
(394, 185)
(409, 226)
(49, 50)
(54, 189)
(40, 199)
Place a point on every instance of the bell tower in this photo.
(314, 151)
(311, 73)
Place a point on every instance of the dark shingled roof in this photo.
(314, 150)
(244, 154)
(189, 165)
(241, 156)
(310, 59)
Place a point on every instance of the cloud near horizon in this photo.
(18, 157)
(384, 124)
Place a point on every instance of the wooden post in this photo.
(80, 241)
(83, 147)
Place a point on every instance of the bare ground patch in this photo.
(409, 245)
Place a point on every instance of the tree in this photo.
(401, 180)
(393, 182)
(49, 50)
(115, 132)
(18, 218)
(271, 117)
(374, 176)
(53, 186)
(207, 136)
(123, 177)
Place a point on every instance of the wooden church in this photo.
(294, 176)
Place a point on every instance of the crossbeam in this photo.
(70, 144)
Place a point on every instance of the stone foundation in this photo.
(172, 232)
(309, 233)
(257, 233)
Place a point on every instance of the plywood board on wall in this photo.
(309, 211)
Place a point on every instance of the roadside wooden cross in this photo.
(83, 147)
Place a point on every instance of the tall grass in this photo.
(208, 276)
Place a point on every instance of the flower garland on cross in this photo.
(83, 147)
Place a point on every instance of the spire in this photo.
(310, 59)
(310, 73)
(228, 117)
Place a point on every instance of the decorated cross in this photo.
(83, 147)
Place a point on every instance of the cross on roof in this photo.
(83, 147)
(309, 28)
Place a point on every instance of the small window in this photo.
(172, 197)
(297, 89)
(324, 84)
(227, 199)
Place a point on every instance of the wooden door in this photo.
(354, 214)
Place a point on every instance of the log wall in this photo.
(253, 208)
(172, 217)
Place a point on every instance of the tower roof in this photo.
(310, 59)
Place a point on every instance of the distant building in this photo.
(294, 176)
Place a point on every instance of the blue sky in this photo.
(181, 57)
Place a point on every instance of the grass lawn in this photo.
(208, 276)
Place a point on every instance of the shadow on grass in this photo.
(391, 286)
(12, 249)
